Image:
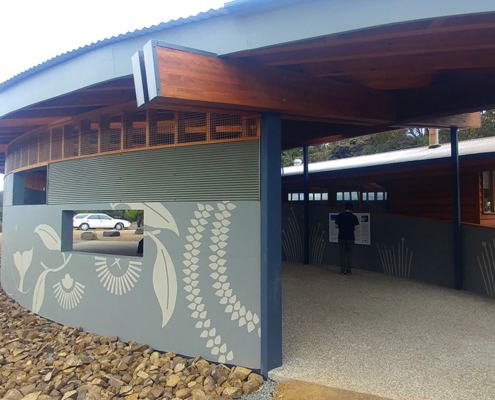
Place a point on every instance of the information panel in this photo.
(363, 233)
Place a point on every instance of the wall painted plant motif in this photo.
(22, 262)
(51, 240)
(317, 244)
(396, 262)
(164, 275)
(292, 240)
(218, 263)
(487, 267)
(68, 292)
(199, 312)
(118, 276)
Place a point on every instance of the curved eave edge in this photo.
(106, 42)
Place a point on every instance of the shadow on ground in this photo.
(297, 390)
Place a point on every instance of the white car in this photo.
(90, 220)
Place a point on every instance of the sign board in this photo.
(363, 233)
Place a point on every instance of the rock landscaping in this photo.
(89, 236)
(111, 233)
(42, 360)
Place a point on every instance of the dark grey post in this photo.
(456, 209)
(271, 243)
(306, 207)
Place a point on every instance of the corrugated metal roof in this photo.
(114, 39)
(466, 147)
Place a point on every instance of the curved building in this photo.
(185, 121)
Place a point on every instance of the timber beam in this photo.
(461, 121)
(26, 122)
(454, 97)
(191, 77)
(301, 133)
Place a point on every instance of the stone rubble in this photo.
(42, 360)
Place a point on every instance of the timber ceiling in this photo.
(432, 69)
(405, 56)
(435, 68)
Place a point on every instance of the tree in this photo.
(131, 215)
(288, 156)
(386, 141)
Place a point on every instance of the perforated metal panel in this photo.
(8, 192)
(223, 171)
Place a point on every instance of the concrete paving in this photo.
(106, 247)
(386, 336)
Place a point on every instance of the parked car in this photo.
(91, 220)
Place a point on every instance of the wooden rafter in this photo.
(398, 31)
(433, 43)
(198, 78)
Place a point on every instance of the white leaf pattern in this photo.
(156, 216)
(22, 262)
(164, 280)
(49, 237)
(39, 291)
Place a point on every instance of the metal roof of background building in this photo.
(466, 148)
(114, 39)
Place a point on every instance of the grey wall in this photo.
(429, 242)
(196, 291)
(393, 237)
(212, 276)
(478, 259)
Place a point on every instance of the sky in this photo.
(33, 31)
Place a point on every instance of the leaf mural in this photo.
(39, 289)
(22, 262)
(49, 237)
(39, 292)
(164, 280)
(155, 214)
(164, 277)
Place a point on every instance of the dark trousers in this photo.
(140, 247)
(346, 248)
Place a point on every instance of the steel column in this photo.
(271, 243)
(306, 207)
(456, 209)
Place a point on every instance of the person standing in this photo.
(346, 222)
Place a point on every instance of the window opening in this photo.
(118, 232)
(488, 192)
(29, 187)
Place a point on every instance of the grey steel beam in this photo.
(271, 243)
(306, 207)
(456, 209)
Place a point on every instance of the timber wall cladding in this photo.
(431, 197)
(190, 173)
